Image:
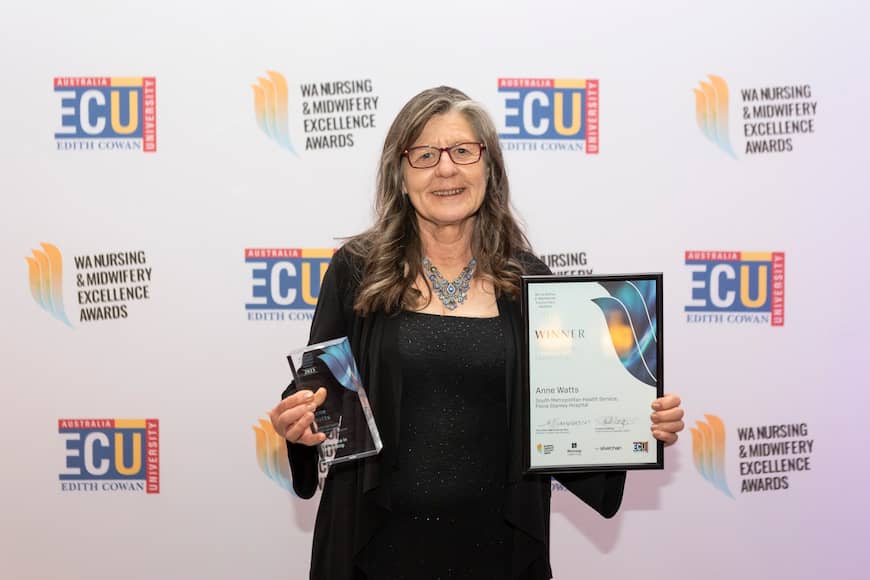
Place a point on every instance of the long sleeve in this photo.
(600, 491)
(330, 321)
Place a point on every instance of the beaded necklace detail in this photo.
(451, 294)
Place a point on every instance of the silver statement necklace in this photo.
(451, 294)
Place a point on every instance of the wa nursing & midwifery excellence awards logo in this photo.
(767, 456)
(106, 284)
(332, 113)
(773, 118)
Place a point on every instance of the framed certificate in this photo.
(593, 367)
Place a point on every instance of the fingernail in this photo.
(311, 406)
(653, 428)
(656, 405)
(307, 395)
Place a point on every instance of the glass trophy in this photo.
(345, 417)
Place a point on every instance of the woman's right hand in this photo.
(293, 416)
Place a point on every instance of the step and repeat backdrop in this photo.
(177, 176)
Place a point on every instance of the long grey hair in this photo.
(391, 251)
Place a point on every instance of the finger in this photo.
(669, 415)
(291, 416)
(319, 397)
(296, 430)
(668, 401)
(299, 397)
(311, 439)
(666, 438)
(669, 427)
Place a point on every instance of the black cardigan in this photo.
(355, 498)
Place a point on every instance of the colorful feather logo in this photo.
(708, 451)
(339, 359)
(630, 312)
(272, 454)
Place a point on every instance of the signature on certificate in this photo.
(561, 422)
(615, 420)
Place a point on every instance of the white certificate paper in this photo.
(594, 366)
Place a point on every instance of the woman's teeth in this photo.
(447, 192)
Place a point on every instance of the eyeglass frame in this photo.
(441, 151)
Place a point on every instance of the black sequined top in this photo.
(448, 492)
(356, 506)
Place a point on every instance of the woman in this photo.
(429, 299)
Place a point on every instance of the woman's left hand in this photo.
(667, 419)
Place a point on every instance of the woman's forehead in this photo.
(446, 129)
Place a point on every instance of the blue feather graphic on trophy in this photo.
(339, 359)
(630, 312)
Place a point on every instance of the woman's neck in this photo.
(447, 247)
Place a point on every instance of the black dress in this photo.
(356, 503)
(448, 489)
